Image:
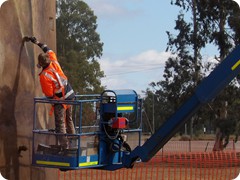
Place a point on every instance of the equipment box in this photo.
(119, 123)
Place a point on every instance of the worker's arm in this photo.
(44, 47)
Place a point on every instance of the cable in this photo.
(111, 137)
(129, 72)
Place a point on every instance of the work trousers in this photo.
(63, 122)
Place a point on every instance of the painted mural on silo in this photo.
(19, 83)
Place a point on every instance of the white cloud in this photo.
(131, 31)
(144, 61)
(134, 72)
(112, 9)
(151, 57)
(105, 8)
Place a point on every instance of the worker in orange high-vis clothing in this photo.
(55, 85)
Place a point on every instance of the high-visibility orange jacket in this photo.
(53, 81)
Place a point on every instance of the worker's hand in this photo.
(33, 40)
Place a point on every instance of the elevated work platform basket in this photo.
(85, 149)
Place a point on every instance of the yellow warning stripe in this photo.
(88, 163)
(53, 163)
(125, 108)
(236, 65)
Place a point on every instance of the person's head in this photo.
(43, 60)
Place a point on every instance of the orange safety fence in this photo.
(169, 166)
(177, 160)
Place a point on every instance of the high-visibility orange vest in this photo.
(53, 81)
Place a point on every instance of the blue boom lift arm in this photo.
(208, 89)
(119, 113)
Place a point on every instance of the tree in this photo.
(79, 45)
(182, 70)
(212, 22)
(220, 18)
(78, 48)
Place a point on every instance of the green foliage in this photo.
(211, 22)
(79, 46)
(76, 29)
(182, 70)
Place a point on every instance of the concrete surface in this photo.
(19, 82)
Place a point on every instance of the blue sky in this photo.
(135, 39)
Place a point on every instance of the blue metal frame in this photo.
(75, 161)
(78, 160)
(119, 102)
